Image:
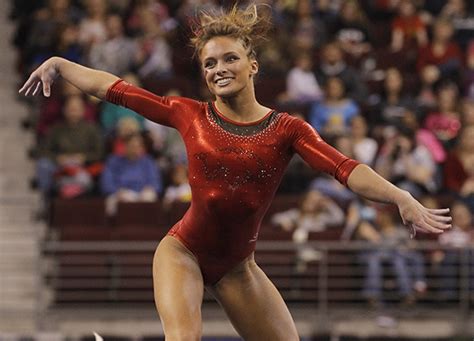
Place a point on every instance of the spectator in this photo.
(455, 243)
(467, 112)
(408, 26)
(333, 65)
(130, 178)
(445, 121)
(93, 29)
(426, 96)
(459, 163)
(316, 213)
(351, 30)
(111, 114)
(332, 116)
(51, 108)
(301, 83)
(116, 53)
(442, 52)
(461, 16)
(179, 190)
(468, 80)
(308, 32)
(45, 28)
(389, 245)
(68, 148)
(364, 147)
(67, 44)
(391, 106)
(408, 164)
(154, 55)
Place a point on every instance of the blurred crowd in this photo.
(387, 82)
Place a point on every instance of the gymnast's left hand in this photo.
(416, 217)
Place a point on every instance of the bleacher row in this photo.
(104, 276)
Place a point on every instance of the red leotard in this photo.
(233, 177)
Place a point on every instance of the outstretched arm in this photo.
(367, 183)
(90, 81)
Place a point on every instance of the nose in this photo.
(221, 68)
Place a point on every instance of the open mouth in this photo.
(223, 81)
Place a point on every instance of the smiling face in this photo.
(227, 67)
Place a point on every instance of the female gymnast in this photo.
(237, 150)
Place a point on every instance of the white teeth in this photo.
(223, 81)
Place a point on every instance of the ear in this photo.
(253, 67)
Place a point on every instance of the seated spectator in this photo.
(364, 147)
(426, 96)
(459, 164)
(460, 12)
(111, 114)
(44, 29)
(407, 27)
(332, 116)
(315, 214)
(115, 54)
(67, 45)
(131, 177)
(390, 244)
(68, 148)
(393, 102)
(442, 52)
(351, 30)
(179, 189)
(308, 32)
(456, 240)
(445, 121)
(301, 84)
(330, 186)
(468, 77)
(154, 55)
(333, 65)
(423, 136)
(408, 164)
(92, 29)
(51, 108)
(467, 112)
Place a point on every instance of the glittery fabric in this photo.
(233, 174)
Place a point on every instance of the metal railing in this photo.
(119, 274)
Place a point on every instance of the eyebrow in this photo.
(225, 54)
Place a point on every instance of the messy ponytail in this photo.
(247, 25)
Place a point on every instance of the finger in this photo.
(428, 228)
(437, 224)
(438, 210)
(441, 218)
(36, 88)
(27, 84)
(46, 88)
(29, 89)
(424, 230)
(412, 230)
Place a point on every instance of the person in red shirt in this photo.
(442, 52)
(237, 151)
(407, 27)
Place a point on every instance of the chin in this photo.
(227, 93)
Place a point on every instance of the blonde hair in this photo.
(247, 25)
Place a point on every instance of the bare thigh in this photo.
(254, 305)
(178, 289)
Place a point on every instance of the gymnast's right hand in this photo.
(43, 76)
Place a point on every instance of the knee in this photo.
(183, 334)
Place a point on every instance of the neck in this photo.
(242, 107)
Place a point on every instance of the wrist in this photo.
(400, 196)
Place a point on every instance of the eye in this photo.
(232, 58)
(209, 64)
